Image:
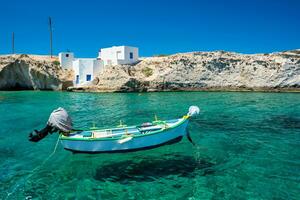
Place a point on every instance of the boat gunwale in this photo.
(184, 119)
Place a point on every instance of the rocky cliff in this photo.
(33, 73)
(217, 70)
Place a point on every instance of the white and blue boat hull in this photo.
(141, 142)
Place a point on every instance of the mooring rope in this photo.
(35, 169)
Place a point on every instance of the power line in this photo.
(13, 43)
(50, 29)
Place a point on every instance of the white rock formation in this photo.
(217, 70)
(32, 72)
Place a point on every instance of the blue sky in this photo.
(156, 26)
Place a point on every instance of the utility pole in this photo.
(13, 43)
(50, 29)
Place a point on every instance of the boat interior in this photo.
(123, 130)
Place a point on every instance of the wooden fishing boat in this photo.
(126, 139)
(120, 139)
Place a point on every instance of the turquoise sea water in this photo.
(248, 147)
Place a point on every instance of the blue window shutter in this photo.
(88, 77)
(131, 55)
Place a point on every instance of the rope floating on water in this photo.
(35, 169)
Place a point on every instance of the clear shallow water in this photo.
(248, 147)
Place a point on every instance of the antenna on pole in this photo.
(13, 43)
(50, 29)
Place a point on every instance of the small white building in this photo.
(66, 60)
(87, 68)
(119, 55)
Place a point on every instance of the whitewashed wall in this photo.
(85, 66)
(135, 52)
(66, 60)
(118, 55)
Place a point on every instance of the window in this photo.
(67, 55)
(119, 55)
(77, 79)
(88, 77)
(131, 55)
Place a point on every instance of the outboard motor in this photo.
(59, 120)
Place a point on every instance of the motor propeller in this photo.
(193, 112)
(36, 135)
(189, 137)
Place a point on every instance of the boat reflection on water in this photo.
(151, 168)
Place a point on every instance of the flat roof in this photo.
(118, 46)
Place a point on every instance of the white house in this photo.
(119, 55)
(87, 68)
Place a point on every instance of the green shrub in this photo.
(161, 55)
(24, 56)
(56, 62)
(147, 71)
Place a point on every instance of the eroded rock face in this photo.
(32, 73)
(205, 70)
(217, 70)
